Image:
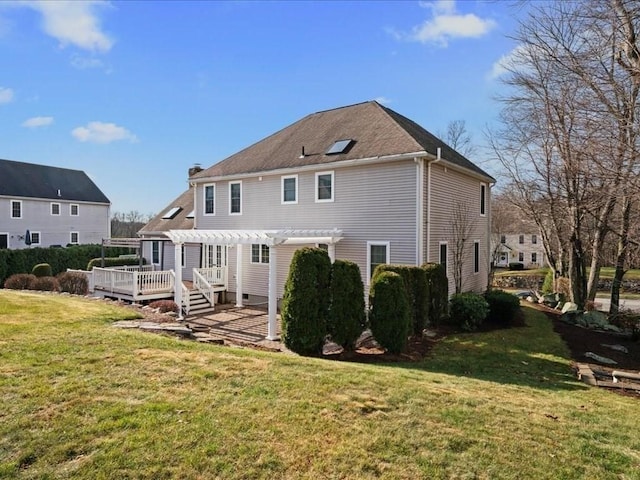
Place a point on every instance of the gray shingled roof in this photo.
(179, 222)
(377, 131)
(19, 179)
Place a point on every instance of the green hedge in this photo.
(305, 304)
(417, 291)
(438, 285)
(346, 319)
(390, 312)
(113, 262)
(60, 259)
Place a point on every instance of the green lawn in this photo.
(605, 273)
(83, 400)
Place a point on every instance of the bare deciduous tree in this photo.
(461, 227)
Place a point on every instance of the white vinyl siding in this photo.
(235, 198)
(289, 189)
(378, 253)
(209, 199)
(325, 186)
(55, 209)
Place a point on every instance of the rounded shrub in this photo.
(468, 310)
(42, 270)
(164, 306)
(305, 304)
(547, 285)
(389, 315)
(20, 281)
(503, 307)
(346, 318)
(73, 282)
(46, 284)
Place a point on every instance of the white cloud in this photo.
(383, 100)
(35, 122)
(100, 132)
(6, 95)
(446, 24)
(506, 62)
(74, 23)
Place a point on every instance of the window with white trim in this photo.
(55, 209)
(378, 253)
(289, 189)
(209, 199)
(534, 239)
(534, 257)
(16, 208)
(521, 256)
(35, 238)
(74, 238)
(521, 239)
(259, 253)
(74, 209)
(325, 186)
(483, 199)
(155, 252)
(476, 256)
(503, 239)
(235, 198)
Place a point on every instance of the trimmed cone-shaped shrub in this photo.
(503, 307)
(390, 315)
(305, 304)
(438, 292)
(346, 318)
(20, 281)
(468, 310)
(73, 282)
(42, 270)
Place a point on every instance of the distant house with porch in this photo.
(362, 181)
(42, 206)
(525, 248)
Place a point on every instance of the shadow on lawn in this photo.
(530, 354)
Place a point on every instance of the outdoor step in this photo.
(200, 311)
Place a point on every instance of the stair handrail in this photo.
(203, 286)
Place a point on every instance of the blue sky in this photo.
(134, 93)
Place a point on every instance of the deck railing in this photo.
(134, 268)
(135, 283)
(186, 298)
(203, 285)
(86, 273)
(213, 275)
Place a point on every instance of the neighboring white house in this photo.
(41, 206)
(525, 248)
(362, 181)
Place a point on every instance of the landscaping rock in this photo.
(600, 359)
(617, 348)
(366, 340)
(569, 307)
(331, 348)
(595, 319)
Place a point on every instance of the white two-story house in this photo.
(42, 206)
(362, 181)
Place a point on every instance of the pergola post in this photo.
(177, 254)
(239, 293)
(272, 328)
(331, 250)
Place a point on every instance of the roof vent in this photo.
(340, 146)
(302, 154)
(59, 193)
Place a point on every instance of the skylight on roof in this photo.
(191, 214)
(171, 213)
(339, 147)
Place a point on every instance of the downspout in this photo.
(419, 210)
(438, 158)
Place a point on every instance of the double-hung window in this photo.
(443, 255)
(476, 257)
(377, 254)
(55, 209)
(534, 257)
(16, 208)
(259, 253)
(235, 198)
(483, 199)
(210, 199)
(290, 189)
(155, 252)
(534, 239)
(35, 238)
(74, 209)
(74, 238)
(325, 187)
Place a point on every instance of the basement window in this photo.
(340, 146)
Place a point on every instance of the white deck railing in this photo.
(135, 283)
(133, 268)
(203, 286)
(213, 275)
(86, 273)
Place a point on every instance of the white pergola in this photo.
(239, 238)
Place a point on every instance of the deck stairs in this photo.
(198, 304)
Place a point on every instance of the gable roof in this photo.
(178, 221)
(19, 179)
(375, 131)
